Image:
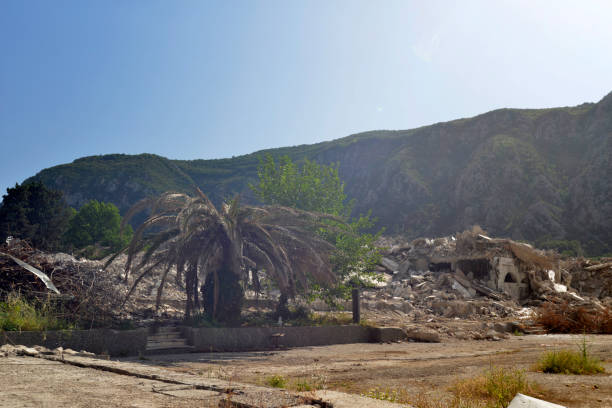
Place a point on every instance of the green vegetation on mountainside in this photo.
(532, 174)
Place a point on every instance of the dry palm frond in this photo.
(193, 235)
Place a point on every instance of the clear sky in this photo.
(211, 79)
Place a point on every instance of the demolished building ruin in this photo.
(478, 264)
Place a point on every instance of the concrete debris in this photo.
(591, 278)
(524, 401)
(389, 264)
(472, 277)
(423, 334)
(8, 350)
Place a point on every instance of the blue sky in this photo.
(207, 79)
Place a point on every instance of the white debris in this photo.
(525, 313)
(560, 288)
(523, 401)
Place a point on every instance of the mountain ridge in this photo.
(531, 174)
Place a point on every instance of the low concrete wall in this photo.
(113, 342)
(263, 338)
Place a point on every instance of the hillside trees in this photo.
(35, 213)
(97, 223)
(317, 187)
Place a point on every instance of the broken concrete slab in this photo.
(524, 401)
(389, 264)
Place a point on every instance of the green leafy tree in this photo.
(316, 187)
(312, 187)
(97, 223)
(35, 213)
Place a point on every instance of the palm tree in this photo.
(218, 247)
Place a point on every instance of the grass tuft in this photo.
(277, 381)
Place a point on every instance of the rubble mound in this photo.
(89, 294)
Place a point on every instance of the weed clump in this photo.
(277, 381)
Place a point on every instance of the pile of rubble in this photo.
(472, 277)
(88, 292)
(592, 278)
(8, 350)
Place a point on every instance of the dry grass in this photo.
(494, 388)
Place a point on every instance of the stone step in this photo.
(536, 329)
(170, 350)
(164, 336)
(167, 329)
(172, 343)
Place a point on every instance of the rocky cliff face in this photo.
(524, 174)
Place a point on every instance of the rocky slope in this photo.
(532, 174)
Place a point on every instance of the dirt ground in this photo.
(419, 368)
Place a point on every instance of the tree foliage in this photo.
(316, 187)
(311, 187)
(35, 213)
(97, 223)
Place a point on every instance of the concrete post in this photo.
(356, 308)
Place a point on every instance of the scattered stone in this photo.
(423, 334)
